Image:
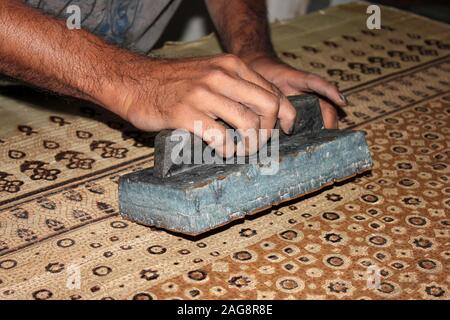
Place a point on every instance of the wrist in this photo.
(109, 96)
(120, 88)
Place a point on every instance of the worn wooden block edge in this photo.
(176, 213)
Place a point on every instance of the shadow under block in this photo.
(209, 196)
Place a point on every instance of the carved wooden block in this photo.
(198, 198)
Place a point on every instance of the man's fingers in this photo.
(286, 112)
(246, 122)
(329, 115)
(289, 90)
(264, 99)
(287, 115)
(270, 105)
(321, 86)
(263, 103)
(211, 131)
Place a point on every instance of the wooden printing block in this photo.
(194, 198)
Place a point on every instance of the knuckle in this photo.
(230, 60)
(173, 116)
(311, 77)
(276, 91)
(250, 121)
(274, 106)
(253, 120)
(215, 74)
(197, 92)
(240, 111)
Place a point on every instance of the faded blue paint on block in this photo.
(209, 196)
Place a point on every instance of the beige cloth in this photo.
(61, 236)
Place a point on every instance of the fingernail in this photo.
(343, 98)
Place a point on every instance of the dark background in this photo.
(437, 10)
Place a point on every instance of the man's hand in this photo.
(169, 94)
(243, 29)
(292, 81)
(152, 94)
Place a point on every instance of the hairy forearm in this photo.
(242, 26)
(42, 51)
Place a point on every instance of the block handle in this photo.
(309, 120)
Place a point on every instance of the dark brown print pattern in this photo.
(404, 240)
(393, 95)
